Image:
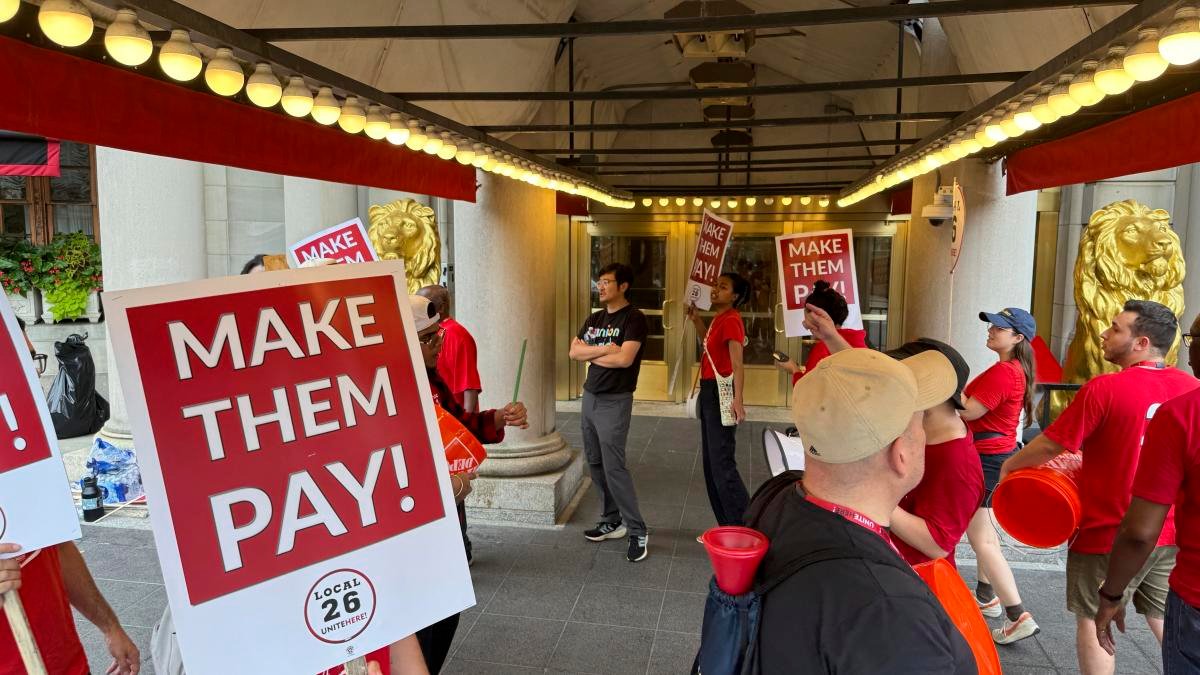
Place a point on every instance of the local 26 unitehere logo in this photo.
(340, 606)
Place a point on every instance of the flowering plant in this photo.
(19, 265)
(68, 272)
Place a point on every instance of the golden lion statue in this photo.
(1128, 252)
(406, 230)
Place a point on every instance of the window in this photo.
(38, 208)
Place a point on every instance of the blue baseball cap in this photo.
(1012, 317)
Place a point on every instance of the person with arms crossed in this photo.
(993, 406)
(860, 608)
(1168, 474)
(611, 344)
(1105, 423)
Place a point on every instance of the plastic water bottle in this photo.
(93, 502)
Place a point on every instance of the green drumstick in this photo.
(520, 367)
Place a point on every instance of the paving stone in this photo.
(585, 648)
(536, 598)
(618, 606)
(673, 653)
(511, 640)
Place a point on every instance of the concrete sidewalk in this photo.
(551, 602)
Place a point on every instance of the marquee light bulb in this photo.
(972, 145)
(352, 118)
(1042, 110)
(66, 22)
(416, 138)
(1111, 76)
(377, 125)
(751, 201)
(716, 203)
(786, 201)
(1143, 62)
(1060, 98)
(297, 98)
(805, 200)
(125, 39)
(466, 156)
(731, 203)
(448, 149)
(325, 108)
(481, 156)
(680, 201)
(1025, 117)
(434, 142)
(8, 9)
(223, 75)
(263, 88)
(823, 202)
(663, 201)
(1180, 41)
(1083, 87)
(698, 201)
(179, 58)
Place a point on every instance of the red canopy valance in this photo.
(1161, 137)
(51, 93)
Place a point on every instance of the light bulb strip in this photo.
(472, 147)
(1019, 107)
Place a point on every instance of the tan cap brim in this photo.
(936, 380)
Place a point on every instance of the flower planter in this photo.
(91, 311)
(27, 307)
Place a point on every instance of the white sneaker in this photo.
(1013, 631)
(991, 609)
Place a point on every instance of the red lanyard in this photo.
(856, 518)
(1157, 365)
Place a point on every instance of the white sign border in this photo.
(252, 649)
(793, 319)
(355, 221)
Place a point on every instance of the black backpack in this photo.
(729, 637)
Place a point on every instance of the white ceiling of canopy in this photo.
(995, 42)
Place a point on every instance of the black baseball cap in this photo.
(961, 369)
(1014, 318)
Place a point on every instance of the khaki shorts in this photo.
(1148, 590)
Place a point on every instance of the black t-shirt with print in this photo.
(604, 328)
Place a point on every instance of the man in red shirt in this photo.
(1168, 474)
(1105, 423)
(457, 366)
(933, 517)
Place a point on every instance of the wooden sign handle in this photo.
(15, 611)
(356, 667)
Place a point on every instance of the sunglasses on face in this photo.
(1187, 338)
(39, 362)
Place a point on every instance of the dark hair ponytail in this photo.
(1023, 353)
(741, 288)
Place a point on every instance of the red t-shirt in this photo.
(1001, 389)
(1169, 473)
(725, 327)
(45, 600)
(857, 339)
(457, 360)
(947, 496)
(1106, 422)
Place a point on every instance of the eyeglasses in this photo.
(995, 327)
(432, 337)
(1187, 338)
(605, 282)
(39, 362)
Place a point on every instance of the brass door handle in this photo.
(665, 304)
(778, 317)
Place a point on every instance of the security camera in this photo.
(942, 208)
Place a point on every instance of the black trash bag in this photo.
(75, 407)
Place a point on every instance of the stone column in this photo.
(995, 269)
(310, 206)
(504, 244)
(152, 210)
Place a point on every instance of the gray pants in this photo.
(605, 424)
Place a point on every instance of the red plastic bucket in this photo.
(960, 606)
(1041, 506)
(735, 553)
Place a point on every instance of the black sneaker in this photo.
(604, 531)
(637, 548)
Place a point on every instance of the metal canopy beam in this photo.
(733, 170)
(721, 190)
(726, 163)
(708, 150)
(664, 94)
(250, 48)
(816, 17)
(721, 124)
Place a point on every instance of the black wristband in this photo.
(1111, 598)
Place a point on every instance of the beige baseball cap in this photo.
(857, 401)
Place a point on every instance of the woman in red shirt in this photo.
(722, 345)
(835, 306)
(994, 403)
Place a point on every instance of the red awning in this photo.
(51, 93)
(570, 205)
(1156, 138)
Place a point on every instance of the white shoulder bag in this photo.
(724, 390)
